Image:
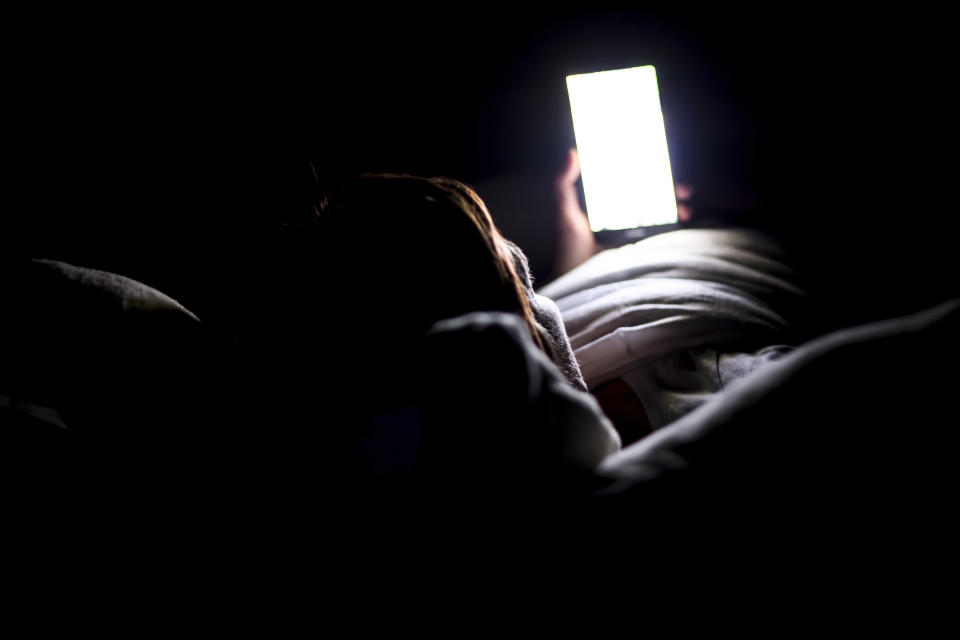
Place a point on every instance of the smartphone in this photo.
(624, 161)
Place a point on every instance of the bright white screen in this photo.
(622, 144)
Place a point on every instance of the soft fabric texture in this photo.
(484, 372)
(671, 386)
(153, 418)
(110, 354)
(853, 422)
(130, 369)
(679, 315)
(53, 309)
(485, 414)
(548, 316)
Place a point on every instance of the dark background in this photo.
(165, 145)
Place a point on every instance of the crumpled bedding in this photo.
(857, 410)
(681, 290)
(68, 326)
(489, 386)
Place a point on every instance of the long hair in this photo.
(425, 249)
(501, 250)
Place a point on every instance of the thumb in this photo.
(571, 169)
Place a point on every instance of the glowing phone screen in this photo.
(622, 145)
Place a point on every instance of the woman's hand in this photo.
(577, 243)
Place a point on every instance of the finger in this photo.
(571, 168)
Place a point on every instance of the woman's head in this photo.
(406, 252)
(380, 261)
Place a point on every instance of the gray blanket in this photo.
(679, 315)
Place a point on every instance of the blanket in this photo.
(686, 311)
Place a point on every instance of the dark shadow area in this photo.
(163, 150)
(172, 149)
